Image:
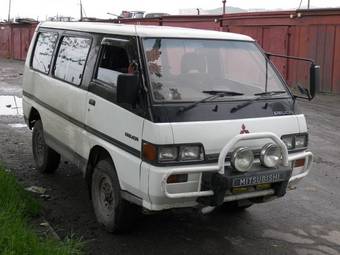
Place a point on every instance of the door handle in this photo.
(92, 102)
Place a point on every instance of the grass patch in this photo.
(17, 237)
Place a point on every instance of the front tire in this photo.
(111, 210)
(46, 159)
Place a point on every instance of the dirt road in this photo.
(306, 221)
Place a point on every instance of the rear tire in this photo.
(114, 213)
(46, 159)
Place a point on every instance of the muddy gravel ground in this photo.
(306, 221)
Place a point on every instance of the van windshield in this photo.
(183, 70)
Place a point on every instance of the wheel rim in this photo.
(106, 195)
(39, 148)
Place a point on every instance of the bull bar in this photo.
(286, 158)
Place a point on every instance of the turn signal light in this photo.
(299, 162)
(149, 152)
(176, 178)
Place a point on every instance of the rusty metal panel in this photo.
(16, 43)
(317, 52)
(294, 43)
(15, 40)
(5, 41)
(24, 42)
(336, 62)
(292, 51)
(209, 22)
(275, 40)
(324, 54)
(201, 24)
(154, 22)
(305, 33)
(252, 31)
(301, 68)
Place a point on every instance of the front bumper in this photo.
(186, 194)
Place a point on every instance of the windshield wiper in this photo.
(214, 94)
(225, 92)
(260, 96)
(270, 93)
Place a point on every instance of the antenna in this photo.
(81, 11)
(9, 11)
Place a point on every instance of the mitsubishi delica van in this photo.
(163, 118)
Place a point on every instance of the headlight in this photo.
(271, 155)
(172, 153)
(188, 153)
(167, 154)
(295, 141)
(242, 159)
(289, 141)
(300, 141)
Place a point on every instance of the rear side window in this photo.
(43, 51)
(71, 59)
(113, 61)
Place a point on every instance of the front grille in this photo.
(213, 158)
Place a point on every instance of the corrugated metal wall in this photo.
(305, 33)
(15, 40)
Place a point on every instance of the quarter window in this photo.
(43, 52)
(71, 59)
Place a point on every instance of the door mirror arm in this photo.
(314, 74)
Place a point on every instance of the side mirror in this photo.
(314, 74)
(314, 83)
(127, 89)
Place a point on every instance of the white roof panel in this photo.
(145, 31)
(164, 31)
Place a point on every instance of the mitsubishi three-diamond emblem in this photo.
(244, 130)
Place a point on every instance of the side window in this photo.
(113, 61)
(71, 59)
(43, 51)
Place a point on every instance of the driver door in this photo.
(111, 126)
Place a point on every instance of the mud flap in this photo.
(217, 183)
(280, 188)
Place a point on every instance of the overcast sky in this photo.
(99, 8)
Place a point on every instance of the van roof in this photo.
(144, 31)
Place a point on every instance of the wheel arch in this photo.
(34, 115)
(97, 153)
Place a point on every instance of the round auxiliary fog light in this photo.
(271, 155)
(242, 159)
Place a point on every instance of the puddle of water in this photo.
(9, 73)
(10, 105)
(17, 125)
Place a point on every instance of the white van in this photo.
(161, 117)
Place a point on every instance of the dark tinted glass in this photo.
(43, 51)
(113, 61)
(71, 59)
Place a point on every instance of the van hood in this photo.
(214, 135)
(210, 111)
